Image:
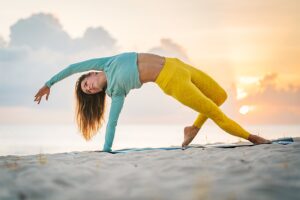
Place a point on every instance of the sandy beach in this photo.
(270, 171)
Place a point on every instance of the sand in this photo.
(270, 171)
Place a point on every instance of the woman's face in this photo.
(90, 84)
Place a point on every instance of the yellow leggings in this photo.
(195, 89)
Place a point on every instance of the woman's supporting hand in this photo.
(45, 90)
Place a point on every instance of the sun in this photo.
(245, 109)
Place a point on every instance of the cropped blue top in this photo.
(122, 75)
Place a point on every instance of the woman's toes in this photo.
(258, 140)
(189, 135)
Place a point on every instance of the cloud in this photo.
(45, 31)
(268, 80)
(269, 94)
(273, 104)
(13, 54)
(95, 38)
(39, 48)
(39, 31)
(2, 42)
(169, 48)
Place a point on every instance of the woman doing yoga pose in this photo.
(116, 75)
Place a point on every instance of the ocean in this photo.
(47, 139)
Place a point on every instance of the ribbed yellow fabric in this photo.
(197, 90)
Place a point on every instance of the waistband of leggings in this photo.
(166, 72)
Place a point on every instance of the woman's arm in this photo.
(115, 110)
(91, 64)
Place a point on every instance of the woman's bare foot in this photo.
(255, 139)
(189, 134)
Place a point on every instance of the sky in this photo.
(251, 48)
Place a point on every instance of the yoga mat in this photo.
(145, 149)
(283, 141)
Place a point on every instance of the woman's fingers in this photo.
(38, 93)
(40, 100)
(43, 91)
(38, 97)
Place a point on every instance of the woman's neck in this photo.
(102, 80)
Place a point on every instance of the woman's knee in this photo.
(224, 96)
(221, 97)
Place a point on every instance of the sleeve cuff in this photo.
(48, 84)
(106, 149)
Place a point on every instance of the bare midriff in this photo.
(149, 66)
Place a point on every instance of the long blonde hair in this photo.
(90, 110)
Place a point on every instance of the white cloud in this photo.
(44, 31)
(39, 31)
(95, 38)
(39, 48)
(169, 48)
(2, 42)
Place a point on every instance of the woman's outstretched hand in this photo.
(45, 90)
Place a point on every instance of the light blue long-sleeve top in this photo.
(122, 75)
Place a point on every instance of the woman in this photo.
(117, 75)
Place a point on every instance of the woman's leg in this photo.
(176, 81)
(190, 95)
(208, 86)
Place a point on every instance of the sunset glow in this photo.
(245, 109)
(240, 93)
(248, 79)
